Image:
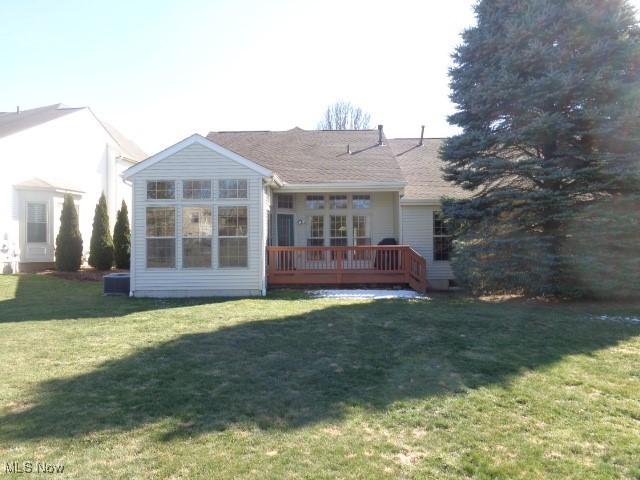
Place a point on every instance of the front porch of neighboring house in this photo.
(335, 238)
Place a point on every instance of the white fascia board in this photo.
(344, 187)
(421, 201)
(200, 140)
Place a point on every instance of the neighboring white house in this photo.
(230, 213)
(44, 153)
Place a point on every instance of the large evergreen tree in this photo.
(69, 240)
(548, 97)
(122, 238)
(101, 248)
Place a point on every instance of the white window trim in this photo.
(218, 237)
(231, 199)
(201, 199)
(164, 200)
(182, 237)
(174, 237)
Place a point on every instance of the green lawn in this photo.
(292, 387)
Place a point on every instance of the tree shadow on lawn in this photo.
(298, 370)
(39, 297)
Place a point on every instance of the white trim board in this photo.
(200, 140)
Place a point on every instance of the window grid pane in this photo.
(337, 201)
(161, 190)
(161, 252)
(233, 252)
(196, 189)
(338, 226)
(233, 188)
(232, 221)
(36, 222)
(161, 222)
(161, 242)
(315, 202)
(285, 201)
(196, 237)
(232, 241)
(441, 238)
(361, 201)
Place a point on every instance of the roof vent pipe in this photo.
(18, 109)
(348, 149)
(421, 135)
(380, 135)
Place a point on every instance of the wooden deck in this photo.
(380, 264)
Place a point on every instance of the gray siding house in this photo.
(235, 212)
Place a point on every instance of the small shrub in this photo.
(122, 239)
(101, 249)
(69, 239)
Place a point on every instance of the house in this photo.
(47, 152)
(235, 212)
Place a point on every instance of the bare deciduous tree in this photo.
(344, 116)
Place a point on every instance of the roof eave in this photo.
(393, 186)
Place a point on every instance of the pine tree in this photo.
(69, 240)
(548, 95)
(122, 238)
(101, 251)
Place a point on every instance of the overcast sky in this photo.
(160, 71)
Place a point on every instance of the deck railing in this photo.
(391, 264)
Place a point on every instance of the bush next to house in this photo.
(548, 95)
(69, 239)
(122, 238)
(101, 248)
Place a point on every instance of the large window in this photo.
(196, 237)
(337, 201)
(441, 238)
(161, 237)
(315, 202)
(196, 189)
(361, 234)
(232, 189)
(316, 231)
(285, 200)
(36, 222)
(338, 230)
(361, 201)
(232, 236)
(161, 189)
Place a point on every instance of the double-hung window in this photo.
(36, 222)
(316, 231)
(441, 238)
(196, 237)
(161, 237)
(361, 235)
(232, 188)
(232, 236)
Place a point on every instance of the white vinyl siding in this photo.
(417, 231)
(382, 214)
(197, 162)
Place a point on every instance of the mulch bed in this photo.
(82, 275)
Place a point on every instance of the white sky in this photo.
(160, 71)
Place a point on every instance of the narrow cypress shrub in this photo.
(69, 240)
(101, 252)
(122, 238)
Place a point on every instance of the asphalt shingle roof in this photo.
(14, 122)
(422, 167)
(316, 156)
